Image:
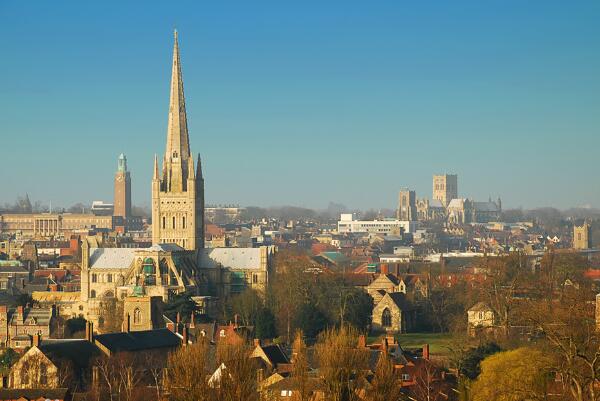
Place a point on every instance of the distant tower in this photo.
(445, 188)
(407, 205)
(122, 189)
(582, 236)
(178, 190)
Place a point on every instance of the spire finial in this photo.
(175, 33)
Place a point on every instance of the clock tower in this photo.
(122, 189)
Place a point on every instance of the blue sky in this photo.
(306, 102)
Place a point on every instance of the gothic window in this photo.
(164, 222)
(93, 294)
(255, 278)
(173, 221)
(109, 278)
(386, 318)
(183, 221)
(94, 278)
(137, 316)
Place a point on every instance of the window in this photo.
(93, 294)
(94, 278)
(286, 393)
(480, 315)
(164, 222)
(173, 221)
(137, 316)
(386, 318)
(183, 221)
(109, 278)
(405, 377)
(255, 279)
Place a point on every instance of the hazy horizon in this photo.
(303, 104)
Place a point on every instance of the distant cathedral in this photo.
(178, 189)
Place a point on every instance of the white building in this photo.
(348, 224)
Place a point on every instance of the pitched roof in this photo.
(78, 351)
(232, 258)
(138, 340)
(275, 354)
(400, 300)
(111, 258)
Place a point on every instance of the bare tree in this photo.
(238, 380)
(343, 366)
(187, 373)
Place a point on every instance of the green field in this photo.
(438, 342)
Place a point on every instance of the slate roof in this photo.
(400, 300)
(275, 354)
(111, 258)
(232, 258)
(78, 351)
(41, 316)
(436, 203)
(138, 340)
(13, 268)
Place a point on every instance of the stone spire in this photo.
(155, 176)
(199, 169)
(178, 144)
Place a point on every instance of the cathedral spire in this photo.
(178, 144)
(155, 177)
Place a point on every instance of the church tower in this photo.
(178, 188)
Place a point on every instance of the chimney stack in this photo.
(127, 324)
(36, 339)
(185, 336)
(426, 351)
(89, 331)
(383, 268)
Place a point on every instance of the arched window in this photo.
(137, 316)
(93, 294)
(386, 318)
(164, 222)
(94, 278)
(173, 221)
(183, 221)
(109, 278)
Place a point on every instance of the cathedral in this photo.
(178, 189)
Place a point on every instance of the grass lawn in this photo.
(438, 342)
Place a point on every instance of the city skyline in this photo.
(509, 122)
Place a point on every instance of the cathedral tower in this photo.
(178, 189)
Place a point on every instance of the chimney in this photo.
(185, 336)
(257, 342)
(20, 313)
(36, 339)
(127, 324)
(383, 268)
(384, 345)
(89, 331)
(362, 341)
(426, 351)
